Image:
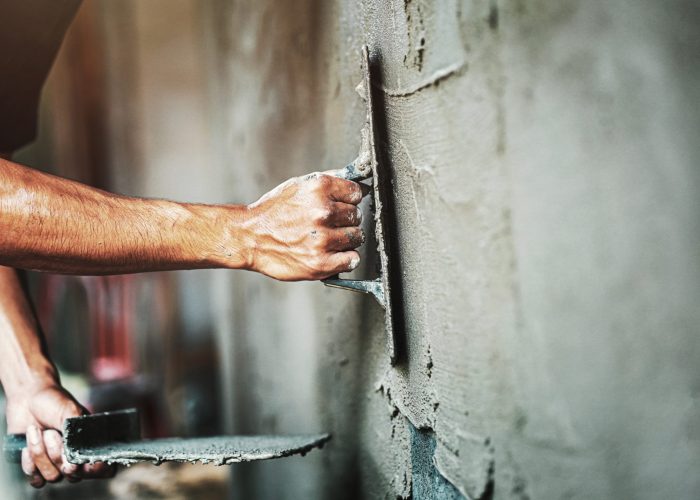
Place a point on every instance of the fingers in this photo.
(344, 215)
(28, 467)
(40, 456)
(347, 238)
(339, 189)
(44, 461)
(345, 191)
(54, 447)
(341, 262)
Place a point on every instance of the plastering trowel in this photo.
(364, 167)
(115, 438)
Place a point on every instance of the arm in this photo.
(304, 229)
(36, 402)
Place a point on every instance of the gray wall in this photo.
(545, 156)
(545, 160)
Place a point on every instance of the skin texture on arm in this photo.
(37, 405)
(304, 229)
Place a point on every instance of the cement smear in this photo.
(219, 450)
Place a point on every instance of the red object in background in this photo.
(111, 313)
(112, 365)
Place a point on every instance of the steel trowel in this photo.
(367, 166)
(115, 438)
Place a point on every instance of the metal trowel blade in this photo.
(115, 438)
(366, 165)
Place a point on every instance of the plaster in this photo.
(544, 171)
(218, 450)
(544, 157)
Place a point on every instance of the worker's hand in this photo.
(307, 228)
(40, 415)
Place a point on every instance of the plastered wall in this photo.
(545, 160)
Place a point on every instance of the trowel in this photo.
(366, 166)
(115, 438)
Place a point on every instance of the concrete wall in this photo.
(545, 156)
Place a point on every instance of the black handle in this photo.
(12, 447)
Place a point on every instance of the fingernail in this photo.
(354, 263)
(37, 481)
(33, 435)
(359, 215)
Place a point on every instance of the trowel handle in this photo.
(12, 447)
(352, 173)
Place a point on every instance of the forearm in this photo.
(24, 364)
(52, 224)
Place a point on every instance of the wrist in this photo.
(36, 379)
(220, 236)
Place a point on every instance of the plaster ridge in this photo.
(436, 77)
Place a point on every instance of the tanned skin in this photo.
(305, 229)
(36, 403)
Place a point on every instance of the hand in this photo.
(307, 228)
(40, 415)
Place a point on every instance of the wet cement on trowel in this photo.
(219, 450)
(115, 437)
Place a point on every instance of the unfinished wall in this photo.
(546, 181)
(545, 161)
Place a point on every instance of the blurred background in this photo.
(125, 109)
(545, 159)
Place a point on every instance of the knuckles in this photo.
(319, 182)
(356, 193)
(318, 264)
(323, 212)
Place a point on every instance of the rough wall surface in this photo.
(545, 160)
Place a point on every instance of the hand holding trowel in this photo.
(115, 438)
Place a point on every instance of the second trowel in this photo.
(115, 438)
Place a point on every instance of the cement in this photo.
(545, 174)
(114, 437)
(428, 483)
(545, 162)
(218, 450)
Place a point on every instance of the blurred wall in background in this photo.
(125, 109)
(546, 177)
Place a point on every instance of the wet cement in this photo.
(219, 450)
(544, 164)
